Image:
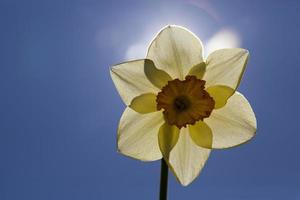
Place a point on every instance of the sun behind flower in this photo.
(181, 106)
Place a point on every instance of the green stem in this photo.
(163, 180)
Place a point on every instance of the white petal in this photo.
(226, 67)
(131, 81)
(138, 135)
(175, 50)
(233, 124)
(187, 159)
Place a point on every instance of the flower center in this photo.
(185, 102)
(181, 103)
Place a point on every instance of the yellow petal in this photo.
(137, 135)
(130, 80)
(167, 139)
(201, 134)
(220, 94)
(226, 67)
(187, 159)
(198, 70)
(145, 103)
(157, 77)
(175, 50)
(232, 125)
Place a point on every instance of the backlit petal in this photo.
(175, 50)
(226, 67)
(145, 103)
(232, 125)
(137, 135)
(198, 70)
(201, 134)
(131, 81)
(157, 77)
(167, 139)
(187, 159)
(220, 94)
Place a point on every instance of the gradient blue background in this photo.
(60, 110)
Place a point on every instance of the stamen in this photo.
(181, 103)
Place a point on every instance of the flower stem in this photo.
(163, 180)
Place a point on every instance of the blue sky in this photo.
(60, 110)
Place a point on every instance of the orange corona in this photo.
(185, 102)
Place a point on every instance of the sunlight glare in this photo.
(225, 38)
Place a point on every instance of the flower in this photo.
(180, 106)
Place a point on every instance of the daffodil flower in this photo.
(181, 106)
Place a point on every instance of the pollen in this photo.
(185, 101)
